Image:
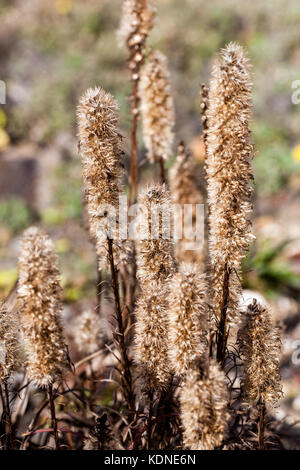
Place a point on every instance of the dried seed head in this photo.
(151, 339)
(136, 23)
(102, 437)
(100, 146)
(9, 347)
(40, 296)
(188, 315)
(88, 332)
(203, 403)
(260, 346)
(157, 108)
(185, 189)
(229, 172)
(155, 257)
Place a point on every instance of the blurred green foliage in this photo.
(15, 215)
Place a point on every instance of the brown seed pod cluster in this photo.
(9, 345)
(88, 332)
(40, 297)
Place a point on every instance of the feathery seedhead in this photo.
(155, 247)
(9, 347)
(40, 296)
(188, 318)
(260, 347)
(100, 147)
(157, 108)
(136, 23)
(203, 403)
(151, 339)
(228, 168)
(88, 332)
(185, 189)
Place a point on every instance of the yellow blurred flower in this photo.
(63, 6)
(296, 153)
(2, 118)
(4, 139)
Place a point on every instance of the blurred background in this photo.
(51, 52)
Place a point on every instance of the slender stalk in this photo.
(120, 334)
(162, 171)
(222, 330)
(133, 176)
(150, 415)
(261, 426)
(53, 416)
(99, 289)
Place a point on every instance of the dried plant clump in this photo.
(151, 339)
(188, 318)
(102, 437)
(260, 347)
(157, 108)
(229, 175)
(9, 344)
(88, 332)
(155, 247)
(100, 147)
(203, 403)
(137, 20)
(40, 296)
(185, 189)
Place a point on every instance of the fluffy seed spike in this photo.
(260, 346)
(40, 296)
(88, 332)
(157, 108)
(100, 146)
(136, 23)
(203, 403)
(188, 315)
(185, 189)
(9, 354)
(229, 172)
(155, 248)
(151, 342)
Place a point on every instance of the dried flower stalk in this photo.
(40, 296)
(88, 332)
(203, 403)
(157, 109)
(185, 189)
(188, 315)
(229, 176)
(9, 344)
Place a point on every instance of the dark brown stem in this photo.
(99, 289)
(261, 426)
(162, 171)
(133, 176)
(8, 423)
(53, 416)
(150, 415)
(222, 330)
(120, 334)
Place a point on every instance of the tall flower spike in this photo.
(260, 346)
(185, 189)
(203, 404)
(136, 23)
(151, 341)
(229, 177)
(9, 354)
(88, 332)
(100, 146)
(188, 315)
(155, 247)
(157, 108)
(40, 296)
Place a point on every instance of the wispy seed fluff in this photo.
(136, 23)
(100, 147)
(151, 340)
(229, 172)
(40, 296)
(185, 189)
(260, 346)
(155, 246)
(9, 347)
(203, 403)
(188, 318)
(88, 332)
(157, 108)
